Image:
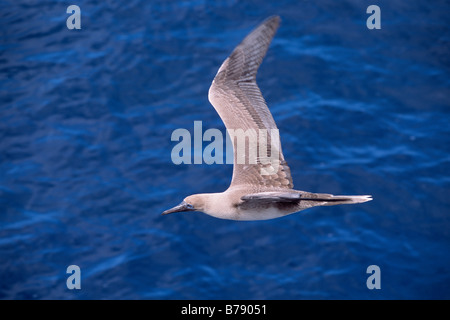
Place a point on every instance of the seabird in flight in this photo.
(261, 189)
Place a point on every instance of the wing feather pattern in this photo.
(240, 104)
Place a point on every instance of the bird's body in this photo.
(261, 188)
(243, 203)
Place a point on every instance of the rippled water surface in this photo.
(86, 118)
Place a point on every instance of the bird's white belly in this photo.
(264, 214)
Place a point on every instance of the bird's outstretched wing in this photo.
(240, 104)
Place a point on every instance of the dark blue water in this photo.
(86, 118)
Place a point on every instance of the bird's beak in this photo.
(184, 206)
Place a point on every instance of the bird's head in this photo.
(192, 203)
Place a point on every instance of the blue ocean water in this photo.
(87, 115)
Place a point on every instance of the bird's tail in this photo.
(331, 200)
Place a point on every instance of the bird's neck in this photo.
(219, 205)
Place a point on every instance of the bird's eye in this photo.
(190, 206)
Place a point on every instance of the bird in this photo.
(262, 189)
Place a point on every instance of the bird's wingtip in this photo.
(276, 19)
